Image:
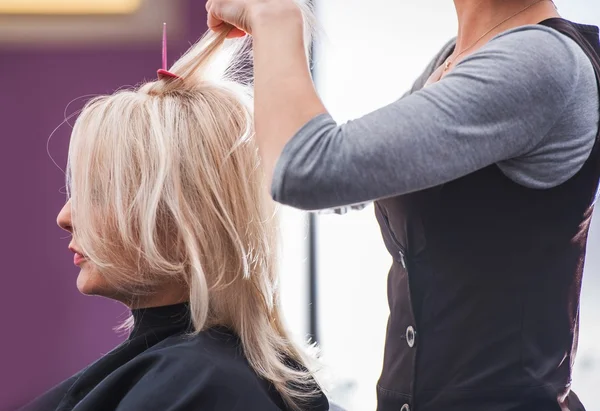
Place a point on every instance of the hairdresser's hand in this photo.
(244, 14)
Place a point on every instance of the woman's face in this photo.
(89, 281)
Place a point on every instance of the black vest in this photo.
(484, 288)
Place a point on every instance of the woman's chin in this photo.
(87, 283)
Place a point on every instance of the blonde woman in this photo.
(169, 215)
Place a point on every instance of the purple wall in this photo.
(49, 331)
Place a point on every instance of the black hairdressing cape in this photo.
(162, 368)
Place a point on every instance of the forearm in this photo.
(285, 96)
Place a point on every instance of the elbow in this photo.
(296, 194)
(302, 177)
(303, 190)
(294, 185)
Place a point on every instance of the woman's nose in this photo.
(64, 218)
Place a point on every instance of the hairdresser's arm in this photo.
(497, 105)
(285, 97)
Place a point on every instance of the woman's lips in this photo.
(78, 259)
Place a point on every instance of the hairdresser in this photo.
(484, 177)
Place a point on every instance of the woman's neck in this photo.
(170, 294)
(475, 18)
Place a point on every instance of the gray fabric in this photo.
(526, 101)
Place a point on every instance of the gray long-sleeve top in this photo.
(526, 101)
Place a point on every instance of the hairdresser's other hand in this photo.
(243, 14)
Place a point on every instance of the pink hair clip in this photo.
(163, 72)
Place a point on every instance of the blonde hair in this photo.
(166, 185)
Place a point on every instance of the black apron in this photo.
(484, 288)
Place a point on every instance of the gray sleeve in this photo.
(417, 85)
(497, 104)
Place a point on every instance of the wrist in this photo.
(269, 13)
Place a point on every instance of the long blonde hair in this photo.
(166, 185)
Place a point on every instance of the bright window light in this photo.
(68, 6)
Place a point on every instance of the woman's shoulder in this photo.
(542, 44)
(206, 368)
(217, 352)
(218, 347)
(562, 65)
(534, 62)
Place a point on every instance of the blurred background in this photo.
(55, 54)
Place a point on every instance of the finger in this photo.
(214, 23)
(235, 33)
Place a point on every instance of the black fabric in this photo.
(484, 288)
(162, 367)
